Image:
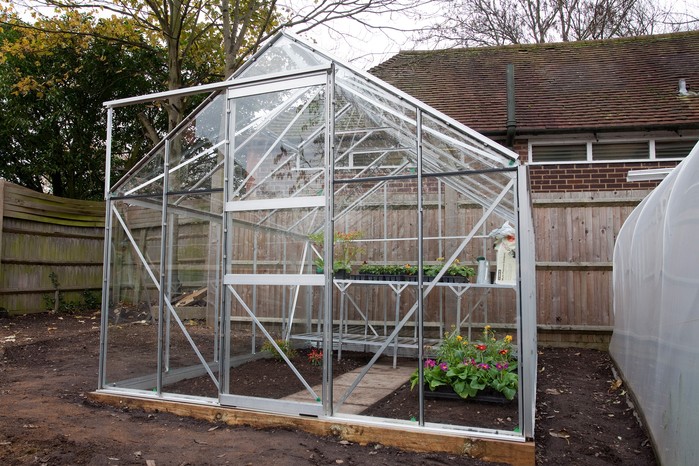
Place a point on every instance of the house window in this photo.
(618, 151)
(560, 153)
(625, 151)
(673, 149)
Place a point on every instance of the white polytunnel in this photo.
(308, 214)
(656, 311)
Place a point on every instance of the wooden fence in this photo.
(575, 235)
(50, 249)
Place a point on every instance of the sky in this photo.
(365, 48)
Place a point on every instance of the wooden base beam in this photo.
(501, 451)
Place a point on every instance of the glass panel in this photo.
(444, 151)
(634, 150)
(192, 273)
(363, 105)
(292, 316)
(673, 149)
(132, 349)
(285, 55)
(559, 153)
(279, 136)
(197, 150)
(267, 243)
(274, 241)
(461, 355)
(146, 180)
(378, 298)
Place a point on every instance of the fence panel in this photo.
(48, 244)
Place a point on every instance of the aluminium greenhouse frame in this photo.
(307, 110)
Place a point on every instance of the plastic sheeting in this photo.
(656, 311)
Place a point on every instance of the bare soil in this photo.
(48, 363)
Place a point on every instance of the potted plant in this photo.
(460, 273)
(345, 251)
(471, 369)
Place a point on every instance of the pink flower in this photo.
(444, 366)
(430, 363)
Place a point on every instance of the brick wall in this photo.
(590, 177)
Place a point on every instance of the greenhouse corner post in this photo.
(226, 252)
(163, 258)
(420, 296)
(329, 186)
(527, 299)
(107, 252)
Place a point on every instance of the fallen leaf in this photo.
(52, 328)
(30, 426)
(213, 428)
(560, 434)
(552, 391)
(344, 442)
(615, 385)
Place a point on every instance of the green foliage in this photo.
(52, 86)
(471, 367)
(285, 347)
(455, 269)
(345, 249)
(89, 301)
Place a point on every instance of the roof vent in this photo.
(682, 87)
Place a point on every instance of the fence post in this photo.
(2, 215)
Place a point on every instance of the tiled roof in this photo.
(617, 84)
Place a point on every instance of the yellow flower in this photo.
(440, 259)
(508, 338)
(459, 338)
(487, 327)
(456, 261)
(464, 342)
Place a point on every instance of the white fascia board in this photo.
(652, 174)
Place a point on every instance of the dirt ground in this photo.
(48, 363)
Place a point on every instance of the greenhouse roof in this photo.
(376, 122)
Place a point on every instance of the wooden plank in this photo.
(406, 438)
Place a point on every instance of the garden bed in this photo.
(49, 362)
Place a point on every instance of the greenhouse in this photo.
(313, 242)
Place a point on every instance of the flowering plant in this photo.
(471, 367)
(315, 357)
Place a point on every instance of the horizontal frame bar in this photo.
(274, 279)
(276, 203)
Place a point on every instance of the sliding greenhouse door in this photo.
(275, 201)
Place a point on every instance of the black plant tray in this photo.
(483, 396)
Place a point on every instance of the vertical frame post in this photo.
(106, 272)
(226, 251)
(163, 271)
(329, 187)
(420, 269)
(527, 301)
